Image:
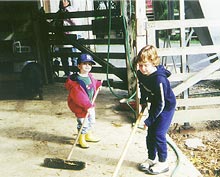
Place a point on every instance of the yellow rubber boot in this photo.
(91, 138)
(82, 141)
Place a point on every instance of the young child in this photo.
(155, 88)
(81, 87)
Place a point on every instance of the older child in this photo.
(65, 6)
(155, 88)
(81, 87)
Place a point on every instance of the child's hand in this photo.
(145, 126)
(143, 106)
(90, 110)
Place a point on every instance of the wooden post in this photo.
(130, 43)
(40, 31)
(141, 39)
(141, 20)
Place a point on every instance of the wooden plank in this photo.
(71, 28)
(178, 77)
(184, 23)
(55, 41)
(75, 54)
(203, 101)
(178, 51)
(102, 41)
(197, 77)
(112, 55)
(102, 70)
(196, 115)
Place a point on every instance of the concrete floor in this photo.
(34, 130)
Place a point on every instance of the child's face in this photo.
(65, 3)
(85, 67)
(146, 68)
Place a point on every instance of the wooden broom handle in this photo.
(127, 145)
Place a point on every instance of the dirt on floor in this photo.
(32, 130)
(206, 156)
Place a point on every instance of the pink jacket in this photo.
(78, 100)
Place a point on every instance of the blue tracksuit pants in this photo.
(156, 137)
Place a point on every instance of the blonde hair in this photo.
(148, 54)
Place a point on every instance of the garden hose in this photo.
(108, 58)
(177, 157)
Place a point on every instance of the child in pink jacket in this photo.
(82, 87)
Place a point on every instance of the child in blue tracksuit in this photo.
(155, 88)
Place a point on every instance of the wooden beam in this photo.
(185, 23)
(197, 77)
(102, 41)
(196, 115)
(178, 77)
(103, 55)
(199, 101)
(178, 51)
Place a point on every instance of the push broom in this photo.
(69, 164)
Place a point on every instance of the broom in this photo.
(69, 164)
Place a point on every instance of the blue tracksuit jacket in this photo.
(156, 89)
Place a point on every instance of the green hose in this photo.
(108, 58)
(108, 53)
(177, 156)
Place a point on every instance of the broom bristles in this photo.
(64, 164)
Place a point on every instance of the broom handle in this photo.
(127, 145)
(80, 130)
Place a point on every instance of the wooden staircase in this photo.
(99, 27)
